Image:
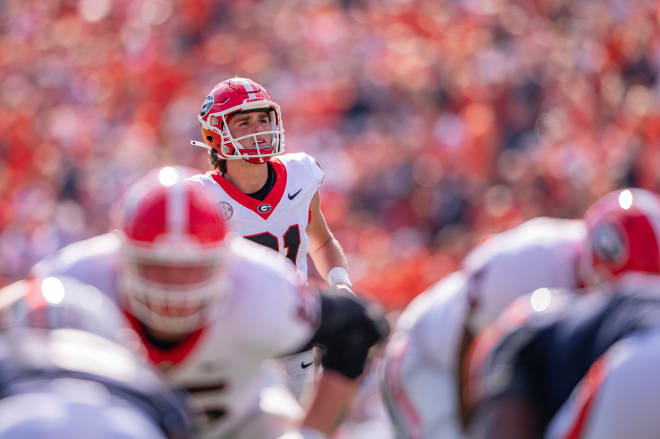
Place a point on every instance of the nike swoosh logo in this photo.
(291, 197)
(302, 363)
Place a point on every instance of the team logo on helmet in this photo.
(607, 243)
(225, 210)
(263, 208)
(206, 106)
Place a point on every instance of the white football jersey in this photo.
(265, 312)
(421, 367)
(280, 220)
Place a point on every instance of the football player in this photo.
(429, 346)
(211, 308)
(269, 197)
(571, 366)
(67, 370)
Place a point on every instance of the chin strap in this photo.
(201, 145)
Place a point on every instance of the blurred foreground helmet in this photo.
(73, 409)
(67, 383)
(173, 244)
(623, 235)
(56, 302)
(229, 98)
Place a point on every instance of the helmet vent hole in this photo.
(209, 138)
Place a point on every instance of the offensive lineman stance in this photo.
(65, 371)
(429, 346)
(210, 309)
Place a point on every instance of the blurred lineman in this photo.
(576, 367)
(429, 346)
(273, 201)
(211, 308)
(65, 373)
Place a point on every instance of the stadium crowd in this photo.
(437, 123)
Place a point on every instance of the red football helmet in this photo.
(623, 234)
(173, 242)
(228, 98)
(57, 302)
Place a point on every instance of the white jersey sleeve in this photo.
(92, 261)
(418, 380)
(283, 313)
(434, 320)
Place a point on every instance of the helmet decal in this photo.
(608, 243)
(206, 106)
(623, 234)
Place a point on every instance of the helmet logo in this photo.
(225, 210)
(206, 106)
(263, 208)
(607, 243)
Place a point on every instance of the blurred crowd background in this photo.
(437, 122)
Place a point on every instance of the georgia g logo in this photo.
(263, 208)
(608, 244)
(206, 106)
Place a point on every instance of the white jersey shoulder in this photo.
(92, 261)
(418, 380)
(280, 222)
(265, 311)
(542, 252)
(303, 168)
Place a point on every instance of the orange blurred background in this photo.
(437, 123)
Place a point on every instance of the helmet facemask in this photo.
(172, 253)
(172, 296)
(230, 98)
(230, 148)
